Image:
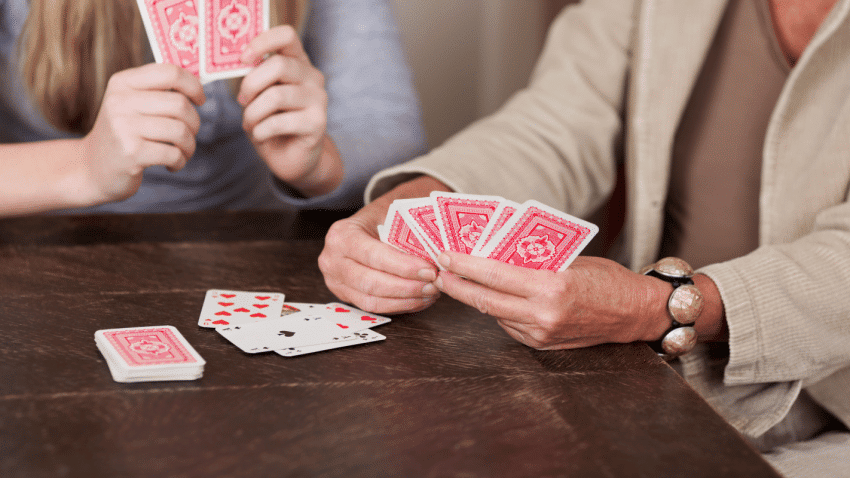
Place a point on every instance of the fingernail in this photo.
(429, 290)
(428, 275)
(439, 283)
(445, 260)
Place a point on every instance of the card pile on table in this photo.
(530, 234)
(206, 37)
(148, 354)
(262, 322)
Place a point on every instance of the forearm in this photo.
(43, 176)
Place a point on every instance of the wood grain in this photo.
(448, 393)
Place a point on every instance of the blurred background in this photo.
(468, 56)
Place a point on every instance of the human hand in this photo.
(286, 112)
(146, 118)
(362, 270)
(594, 301)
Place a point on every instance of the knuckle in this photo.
(481, 303)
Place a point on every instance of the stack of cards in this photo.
(206, 37)
(148, 354)
(262, 322)
(530, 235)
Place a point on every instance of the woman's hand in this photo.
(146, 118)
(594, 301)
(286, 112)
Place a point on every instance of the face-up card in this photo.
(293, 307)
(362, 337)
(147, 349)
(295, 330)
(500, 216)
(350, 318)
(231, 307)
(226, 28)
(462, 218)
(172, 28)
(540, 237)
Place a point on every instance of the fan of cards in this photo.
(530, 234)
(262, 322)
(206, 37)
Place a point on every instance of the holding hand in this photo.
(362, 270)
(594, 301)
(146, 118)
(286, 112)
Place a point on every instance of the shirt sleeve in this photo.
(374, 115)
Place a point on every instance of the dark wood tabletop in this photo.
(448, 393)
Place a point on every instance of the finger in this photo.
(273, 100)
(168, 104)
(167, 131)
(162, 76)
(348, 238)
(158, 153)
(488, 301)
(381, 284)
(380, 305)
(276, 69)
(493, 274)
(281, 39)
(300, 123)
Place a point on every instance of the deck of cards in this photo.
(148, 354)
(259, 322)
(530, 235)
(206, 37)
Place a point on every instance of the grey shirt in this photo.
(373, 117)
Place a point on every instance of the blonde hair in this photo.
(70, 48)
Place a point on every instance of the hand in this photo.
(362, 270)
(286, 112)
(594, 301)
(146, 118)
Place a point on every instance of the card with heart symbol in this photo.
(262, 322)
(232, 307)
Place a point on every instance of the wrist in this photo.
(77, 185)
(326, 175)
(684, 306)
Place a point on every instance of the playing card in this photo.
(356, 338)
(419, 214)
(401, 236)
(149, 353)
(462, 218)
(226, 28)
(293, 307)
(294, 330)
(172, 28)
(350, 318)
(231, 307)
(500, 216)
(540, 237)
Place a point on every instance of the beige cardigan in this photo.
(612, 82)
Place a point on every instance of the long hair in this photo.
(70, 48)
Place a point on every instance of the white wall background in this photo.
(468, 56)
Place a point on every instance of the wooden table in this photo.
(448, 393)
